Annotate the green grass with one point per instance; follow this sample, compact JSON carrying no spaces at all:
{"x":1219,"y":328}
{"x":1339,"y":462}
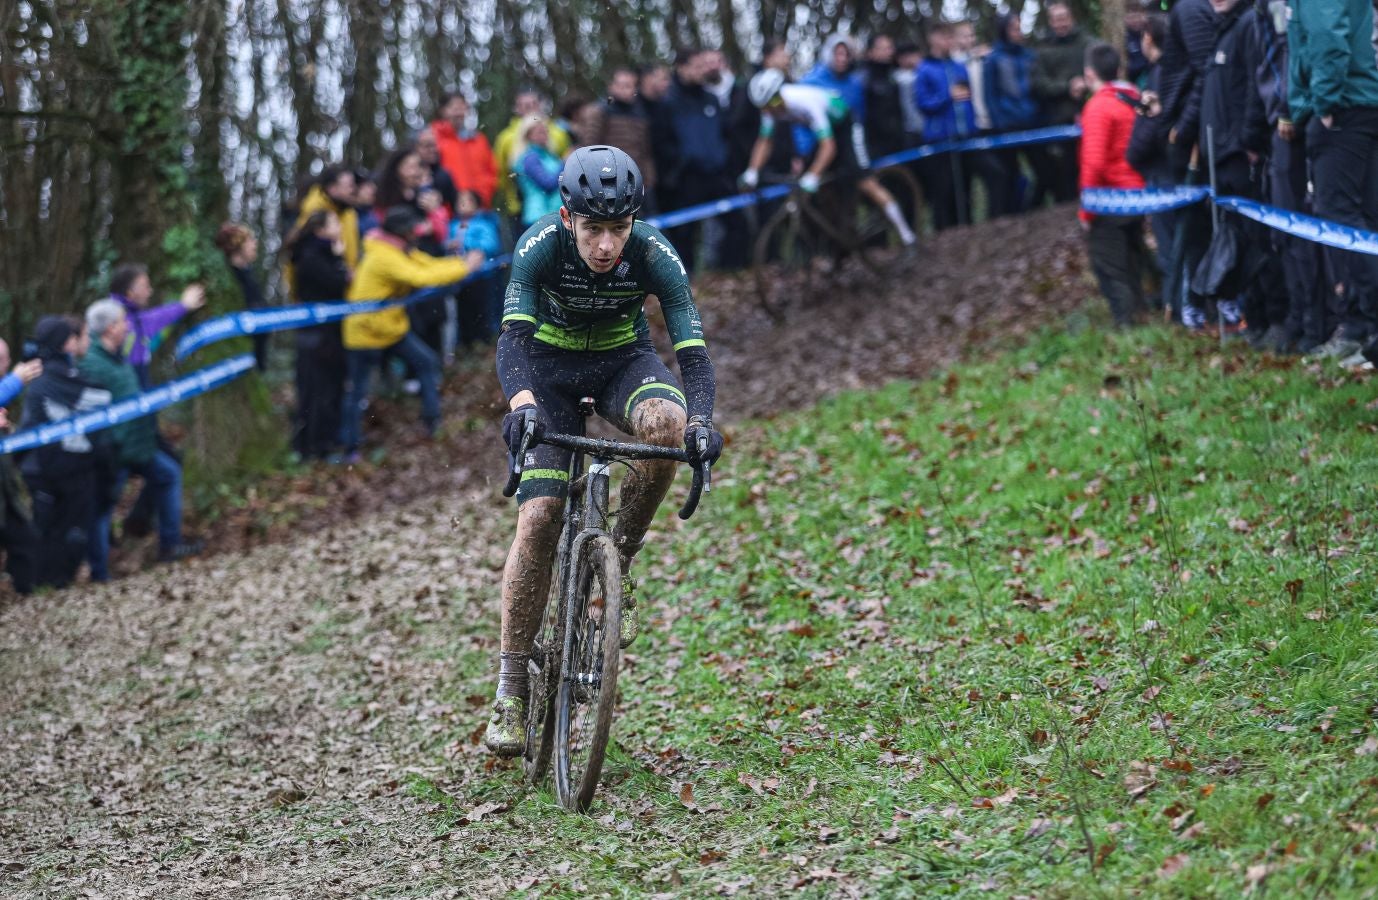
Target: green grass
{"x":927,"y":639}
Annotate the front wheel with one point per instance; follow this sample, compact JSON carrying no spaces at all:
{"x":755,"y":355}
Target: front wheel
{"x":587,"y":693}
{"x":783,"y":259}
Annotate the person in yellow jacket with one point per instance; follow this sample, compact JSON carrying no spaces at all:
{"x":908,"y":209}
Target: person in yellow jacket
{"x":393,"y":267}
{"x":334,"y":191}
{"x":528,"y":103}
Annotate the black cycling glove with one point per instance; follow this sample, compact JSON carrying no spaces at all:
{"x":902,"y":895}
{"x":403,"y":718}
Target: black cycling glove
{"x":701,"y":431}
{"x":514,"y":426}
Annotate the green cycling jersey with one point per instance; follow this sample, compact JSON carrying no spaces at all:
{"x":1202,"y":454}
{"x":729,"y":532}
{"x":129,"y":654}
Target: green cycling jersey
{"x":574,"y":308}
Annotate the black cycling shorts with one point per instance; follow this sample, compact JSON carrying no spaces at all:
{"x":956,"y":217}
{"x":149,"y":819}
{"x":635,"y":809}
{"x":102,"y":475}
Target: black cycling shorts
{"x":852,"y":157}
{"x":617,"y":380}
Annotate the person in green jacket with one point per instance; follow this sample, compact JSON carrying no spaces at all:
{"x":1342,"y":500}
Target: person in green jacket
{"x":1333,"y":93}
{"x":1059,"y":85}
{"x":135,"y":441}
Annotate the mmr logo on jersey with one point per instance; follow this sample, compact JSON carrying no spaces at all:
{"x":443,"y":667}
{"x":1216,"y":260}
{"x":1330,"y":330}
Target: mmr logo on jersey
{"x":535,"y":239}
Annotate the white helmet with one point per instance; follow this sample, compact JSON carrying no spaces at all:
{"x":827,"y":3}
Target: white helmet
{"x":764,"y":85}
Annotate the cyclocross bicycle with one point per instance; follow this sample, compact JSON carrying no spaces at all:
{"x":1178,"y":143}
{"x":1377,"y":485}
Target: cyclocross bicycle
{"x":574,"y":661}
{"x":809,"y":229}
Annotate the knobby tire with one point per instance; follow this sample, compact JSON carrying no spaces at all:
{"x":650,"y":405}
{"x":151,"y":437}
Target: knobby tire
{"x":583,"y":717}
{"x":783,"y":248}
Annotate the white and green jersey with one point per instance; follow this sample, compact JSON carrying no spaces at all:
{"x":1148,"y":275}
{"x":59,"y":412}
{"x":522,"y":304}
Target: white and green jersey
{"x":822,"y":111}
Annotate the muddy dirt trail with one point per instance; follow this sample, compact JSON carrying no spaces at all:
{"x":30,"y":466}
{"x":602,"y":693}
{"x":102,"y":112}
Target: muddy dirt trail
{"x":248,"y":724}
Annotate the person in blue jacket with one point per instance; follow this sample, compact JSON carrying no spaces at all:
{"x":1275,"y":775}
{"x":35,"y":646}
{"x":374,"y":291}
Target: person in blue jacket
{"x":942,"y":93}
{"x":479,"y":305}
{"x":537,"y":171}
{"x":13,"y":383}
{"x":1009,"y":98}
{"x":1009,"y":93}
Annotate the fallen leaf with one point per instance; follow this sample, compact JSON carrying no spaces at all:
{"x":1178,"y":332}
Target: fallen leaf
{"x":1254,"y":875}
{"x":1141,"y":779}
{"x":1172,"y":865}
{"x":752,"y":782}
{"x":1367,"y":748}
{"x":1263,"y":800}
{"x":280,"y":797}
{"x":1038,"y":827}
{"x":1193,"y":832}
{"x":483,"y":809}
{"x":686,"y":795}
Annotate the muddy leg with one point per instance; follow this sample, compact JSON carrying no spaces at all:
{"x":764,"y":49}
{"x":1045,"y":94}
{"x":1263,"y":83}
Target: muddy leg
{"x":526,"y":577}
{"x":654,"y":421}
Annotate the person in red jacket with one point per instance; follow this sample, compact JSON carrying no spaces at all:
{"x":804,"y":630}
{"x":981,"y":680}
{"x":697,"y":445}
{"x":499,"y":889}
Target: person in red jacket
{"x":464,"y":151}
{"x":1115,"y":243}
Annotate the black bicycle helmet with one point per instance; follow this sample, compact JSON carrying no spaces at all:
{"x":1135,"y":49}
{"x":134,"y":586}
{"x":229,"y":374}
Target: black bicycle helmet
{"x":602,"y":182}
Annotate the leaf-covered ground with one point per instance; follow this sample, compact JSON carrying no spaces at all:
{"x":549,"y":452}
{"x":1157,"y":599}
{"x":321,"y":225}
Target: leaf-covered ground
{"x":1091,"y":617}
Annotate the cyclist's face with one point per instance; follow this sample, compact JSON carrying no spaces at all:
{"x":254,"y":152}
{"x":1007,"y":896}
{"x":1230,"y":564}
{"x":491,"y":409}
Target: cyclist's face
{"x":600,"y":242}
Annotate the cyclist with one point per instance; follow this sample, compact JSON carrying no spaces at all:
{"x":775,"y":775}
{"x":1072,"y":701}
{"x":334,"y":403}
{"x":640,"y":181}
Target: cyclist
{"x":573,"y":327}
{"x":826,"y":114}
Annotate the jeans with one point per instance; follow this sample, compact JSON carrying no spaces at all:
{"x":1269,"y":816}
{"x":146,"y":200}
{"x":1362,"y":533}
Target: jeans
{"x":162,"y":477}
{"x":424,"y":364}
{"x":1344,"y":160}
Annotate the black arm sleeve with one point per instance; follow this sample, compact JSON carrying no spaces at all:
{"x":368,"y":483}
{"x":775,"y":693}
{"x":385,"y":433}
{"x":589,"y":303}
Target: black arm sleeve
{"x":514,"y":358}
{"x":700,"y":387}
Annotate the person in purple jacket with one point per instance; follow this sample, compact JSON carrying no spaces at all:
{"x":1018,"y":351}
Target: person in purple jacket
{"x":130,"y":285}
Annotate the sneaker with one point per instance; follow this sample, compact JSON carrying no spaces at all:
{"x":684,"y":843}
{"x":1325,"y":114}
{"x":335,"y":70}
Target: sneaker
{"x":1193,"y":317}
{"x":1338,"y":346}
{"x":631,"y":619}
{"x":180,"y":550}
{"x":506,"y":733}
{"x":1355,"y":361}
{"x":1230,"y":313}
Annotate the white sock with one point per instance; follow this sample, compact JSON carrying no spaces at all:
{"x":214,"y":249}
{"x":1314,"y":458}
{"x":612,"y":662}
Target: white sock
{"x":892,"y":212}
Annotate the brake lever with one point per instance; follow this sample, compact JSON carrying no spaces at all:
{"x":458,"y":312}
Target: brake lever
{"x":516,"y":461}
{"x":705,"y":466}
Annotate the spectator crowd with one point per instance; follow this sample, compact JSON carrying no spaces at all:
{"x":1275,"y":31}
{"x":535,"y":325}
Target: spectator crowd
{"x":1275,"y":100}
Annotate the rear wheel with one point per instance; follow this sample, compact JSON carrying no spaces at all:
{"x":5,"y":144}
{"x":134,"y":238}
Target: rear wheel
{"x":587,"y":693}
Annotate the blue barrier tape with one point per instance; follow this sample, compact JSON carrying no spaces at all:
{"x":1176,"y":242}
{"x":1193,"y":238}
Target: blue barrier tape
{"x":1048,"y":135}
{"x":728,"y":204}
{"x":1116,"y":202}
{"x":1319,"y":231}
{"x":717,"y":207}
{"x":145,"y":404}
{"x":1145,"y":202}
{"x":286,"y":318}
